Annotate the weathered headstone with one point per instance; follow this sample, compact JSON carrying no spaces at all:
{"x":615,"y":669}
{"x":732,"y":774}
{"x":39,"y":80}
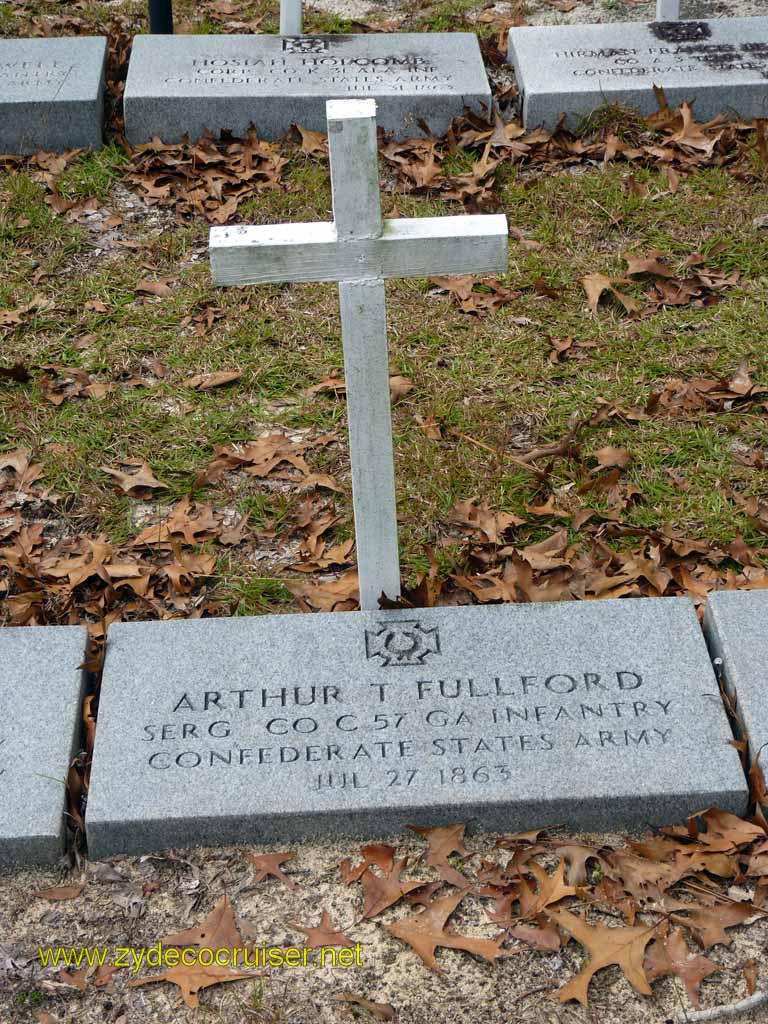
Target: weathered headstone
{"x":358,"y":249}
{"x":51,"y":93}
{"x":41,"y":688}
{"x":736,"y":625}
{"x":721,"y":66}
{"x":603,"y":714}
{"x":192,"y":84}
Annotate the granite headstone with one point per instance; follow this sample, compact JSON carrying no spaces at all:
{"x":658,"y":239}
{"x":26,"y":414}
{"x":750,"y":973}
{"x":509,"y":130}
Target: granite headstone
{"x":41,"y":685}
{"x":736,"y":625}
{"x":720,"y":66}
{"x":603,"y":714}
{"x":51,"y":93}
{"x":194,"y":84}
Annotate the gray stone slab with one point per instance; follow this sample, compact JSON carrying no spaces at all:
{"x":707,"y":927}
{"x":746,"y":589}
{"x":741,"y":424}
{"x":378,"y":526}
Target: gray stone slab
{"x":41,"y":686}
{"x":180,"y":85}
{"x":51,"y":93}
{"x":736,"y":625}
{"x":602,"y":714}
{"x":720,"y":66}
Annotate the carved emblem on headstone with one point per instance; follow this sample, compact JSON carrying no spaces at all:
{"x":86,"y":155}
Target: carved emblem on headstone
{"x":402,"y":643}
{"x":681,"y":31}
{"x":305,"y":44}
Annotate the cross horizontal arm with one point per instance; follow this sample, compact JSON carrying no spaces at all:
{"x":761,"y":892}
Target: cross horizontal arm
{"x":407,"y":247}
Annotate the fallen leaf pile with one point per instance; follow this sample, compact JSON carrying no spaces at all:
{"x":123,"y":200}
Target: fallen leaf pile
{"x":49,"y":577}
{"x":668,"y":889}
{"x":475,"y":296}
{"x":699,"y":286}
{"x":649,"y":908}
{"x":590,"y":549}
{"x":204,"y":177}
{"x":213,"y":179}
{"x":276,"y":456}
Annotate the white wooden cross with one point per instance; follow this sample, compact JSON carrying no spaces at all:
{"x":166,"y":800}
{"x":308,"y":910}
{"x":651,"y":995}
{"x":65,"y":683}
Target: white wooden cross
{"x":359,"y":249}
{"x":290,"y":17}
{"x":666,"y":10}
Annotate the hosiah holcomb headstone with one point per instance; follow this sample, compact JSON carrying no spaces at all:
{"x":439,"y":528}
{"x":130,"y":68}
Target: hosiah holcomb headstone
{"x":193,"y":84}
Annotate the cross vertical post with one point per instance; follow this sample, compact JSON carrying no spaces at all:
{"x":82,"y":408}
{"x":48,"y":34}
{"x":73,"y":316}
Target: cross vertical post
{"x":357,"y":214}
{"x":290,"y":18}
{"x":667,"y":10}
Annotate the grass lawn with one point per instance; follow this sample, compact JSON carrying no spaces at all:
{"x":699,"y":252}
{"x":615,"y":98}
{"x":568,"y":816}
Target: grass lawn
{"x":80,"y":238}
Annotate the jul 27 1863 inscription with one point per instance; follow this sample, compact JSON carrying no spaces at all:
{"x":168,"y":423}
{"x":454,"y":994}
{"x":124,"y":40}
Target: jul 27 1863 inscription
{"x":288,"y":725}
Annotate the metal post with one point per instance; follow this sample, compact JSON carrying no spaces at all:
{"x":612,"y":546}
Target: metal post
{"x":161,"y":17}
{"x":667,"y":10}
{"x":290,"y":18}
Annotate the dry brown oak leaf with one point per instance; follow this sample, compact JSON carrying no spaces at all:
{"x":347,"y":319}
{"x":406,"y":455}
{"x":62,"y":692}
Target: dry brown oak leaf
{"x":380,"y":854}
{"x":207,"y":381}
{"x":75,"y":979}
{"x":708,"y":924}
{"x":552,"y":889}
{"x":194,"y":978}
{"x":61,"y":892}
{"x":217,"y":931}
{"x":381,"y":1011}
{"x":546,"y":936}
{"x":443,"y":841}
{"x":576,"y":858}
{"x":269,"y":864}
{"x":426,"y":931}
{"x":381,"y":891}
{"x":141,"y":480}
{"x":670,"y":955}
{"x":323,"y":934}
{"x":623,"y":946}
{"x":596,"y":284}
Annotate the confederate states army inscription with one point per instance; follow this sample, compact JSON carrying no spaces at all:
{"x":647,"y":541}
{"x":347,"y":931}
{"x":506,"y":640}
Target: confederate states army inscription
{"x":510,"y":716}
{"x":191,"y":84}
{"x":718,"y":66}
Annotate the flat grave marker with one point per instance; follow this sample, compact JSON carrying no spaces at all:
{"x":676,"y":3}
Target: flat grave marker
{"x":194,"y":84}
{"x":51,"y":93}
{"x":573,"y":70}
{"x":736,"y":626}
{"x":41,"y":685}
{"x":604,"y":714}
